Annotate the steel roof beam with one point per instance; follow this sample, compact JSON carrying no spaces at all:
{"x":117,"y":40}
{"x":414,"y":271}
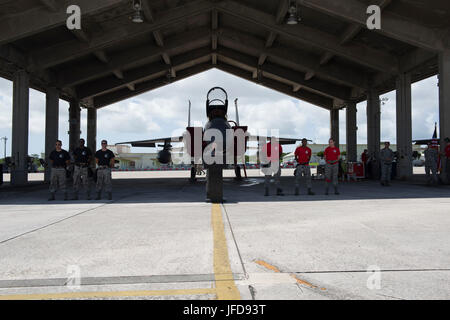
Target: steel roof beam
{"x":116,"y":96}
{"x":361,"y":54}
{"x":139,"y":74}
{"x":86,"y":72}
{"x":391,"y":25}
{"x":294,"y":58}
{"x":36,"y":20}
{"x":324,"y":87}
{"x":67,"y":51}
{"x":283,"y":8}
{"x":304,"y":95}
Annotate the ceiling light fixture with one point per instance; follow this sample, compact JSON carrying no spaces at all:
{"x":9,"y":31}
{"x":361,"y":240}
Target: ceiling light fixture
{"x":137,"y":16}
{"x":293,"y":13}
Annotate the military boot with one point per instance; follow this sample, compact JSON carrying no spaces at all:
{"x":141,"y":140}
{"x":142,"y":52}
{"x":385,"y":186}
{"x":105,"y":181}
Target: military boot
{"x":280,"y":192}
{"x":297,"y":192}
{"x":310,"y":193}
{"x":98,"y":196}
{"x":52,"y":196}
{"x":65,"y":196}
{"x":336,"y":191}
{"x":266,"y":192}
{"x":109,"y":196}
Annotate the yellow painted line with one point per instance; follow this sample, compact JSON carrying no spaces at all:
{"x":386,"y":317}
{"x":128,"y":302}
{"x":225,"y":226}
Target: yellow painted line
{"x":107,"y":294}
{"x":225,"y":286}
{"x":275,"y":269}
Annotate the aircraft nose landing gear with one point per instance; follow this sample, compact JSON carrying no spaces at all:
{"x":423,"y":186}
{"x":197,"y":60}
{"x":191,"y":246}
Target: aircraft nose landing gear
{"x":216,"y":110}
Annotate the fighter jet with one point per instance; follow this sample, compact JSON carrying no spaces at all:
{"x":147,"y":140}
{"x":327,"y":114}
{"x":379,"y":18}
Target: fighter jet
{"x":196,"y":141}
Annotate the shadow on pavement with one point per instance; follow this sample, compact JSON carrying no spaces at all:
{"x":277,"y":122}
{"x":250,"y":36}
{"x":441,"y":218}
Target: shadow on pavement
{"x":176,"y":190}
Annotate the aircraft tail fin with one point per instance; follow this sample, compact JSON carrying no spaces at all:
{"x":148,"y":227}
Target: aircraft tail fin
{"x":237,"y":112}
{"x":189,"y":114}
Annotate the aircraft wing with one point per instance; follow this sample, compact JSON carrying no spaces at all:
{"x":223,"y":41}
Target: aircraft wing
{"x":281,"y":141}
{"x":424,"y":141}
{"x":152,"y":142}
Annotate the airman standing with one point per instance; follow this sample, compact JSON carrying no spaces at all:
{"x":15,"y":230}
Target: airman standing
{"x":431,"y":163}
{"x":59,"y":160}
{"x":332,"y":155}
{"x":386,"y":157}
{"x":303,"y":156}
{"x":82,"y":156}
{"x":271,"y":155}
{"x":105,"y":161}
{"x":446,"y":157}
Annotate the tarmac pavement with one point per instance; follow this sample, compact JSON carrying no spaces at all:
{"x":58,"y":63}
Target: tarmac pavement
{"x":159,"y":239}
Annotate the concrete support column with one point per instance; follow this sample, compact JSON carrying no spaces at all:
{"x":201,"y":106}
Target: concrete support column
{"x":352,"y":128}
{"x":373,"y":123}
{"x":444,"y":102}
{"x":74,"y":124}
{"x":51,"y":125}
{"x":334,"y":126}
{"x":92,"y":129}
{"x":404,"y":127}
{"x":19,"y":141}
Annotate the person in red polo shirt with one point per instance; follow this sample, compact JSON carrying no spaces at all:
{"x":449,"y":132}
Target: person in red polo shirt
{"x":447,"y":160}
{"x":332,"y":156}
{"x":364,"y":160}
{"x":303,"y":156}
{"x":270,"y":157}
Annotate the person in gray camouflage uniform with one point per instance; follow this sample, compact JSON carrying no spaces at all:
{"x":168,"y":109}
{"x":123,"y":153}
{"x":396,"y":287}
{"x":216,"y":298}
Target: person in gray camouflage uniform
{"x":82,"y":156}
{"x":431,"y":163}
{"x":303,"y":156}
{"x":271,"y":154}
{"x":386,"y":158}
{"x":105,"y":162}
{"x":332,"y":155}
{"x":59,"y":160}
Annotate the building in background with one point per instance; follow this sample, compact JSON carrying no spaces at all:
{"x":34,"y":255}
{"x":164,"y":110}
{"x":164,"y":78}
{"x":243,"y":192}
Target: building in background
{"x":127,"y":160}
{"x":133,"y":161}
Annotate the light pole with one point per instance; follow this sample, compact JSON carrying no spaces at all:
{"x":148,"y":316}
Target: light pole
{"x":5,"y":139}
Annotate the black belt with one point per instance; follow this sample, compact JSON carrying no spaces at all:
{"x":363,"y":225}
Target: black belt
{"x":303,"y":164}
{"x":58,"y":167}
{"x":333,"y":162}
{"x":83,"y":165}
{"x":103,"y":167}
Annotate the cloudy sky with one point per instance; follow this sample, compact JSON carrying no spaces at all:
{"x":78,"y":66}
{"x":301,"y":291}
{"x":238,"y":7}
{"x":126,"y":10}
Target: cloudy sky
{"x":163,"y":112}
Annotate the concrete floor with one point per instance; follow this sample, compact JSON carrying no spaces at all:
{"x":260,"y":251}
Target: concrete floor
{"x":158,"y":239}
